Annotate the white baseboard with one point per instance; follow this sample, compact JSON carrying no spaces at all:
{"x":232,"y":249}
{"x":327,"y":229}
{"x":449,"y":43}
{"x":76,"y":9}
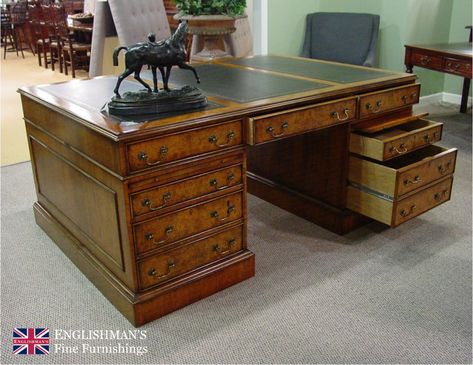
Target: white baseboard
{"x":443,"y":97}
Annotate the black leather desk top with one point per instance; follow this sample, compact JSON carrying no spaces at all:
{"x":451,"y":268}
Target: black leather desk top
{"x":238,"y":84}
{"x":334,"y":72}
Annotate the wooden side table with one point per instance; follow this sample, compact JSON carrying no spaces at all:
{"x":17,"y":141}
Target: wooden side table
{"x":451,"y":58}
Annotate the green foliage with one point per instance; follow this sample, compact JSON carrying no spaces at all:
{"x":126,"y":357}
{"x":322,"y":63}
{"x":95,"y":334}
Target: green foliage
{"x":211,"y":7}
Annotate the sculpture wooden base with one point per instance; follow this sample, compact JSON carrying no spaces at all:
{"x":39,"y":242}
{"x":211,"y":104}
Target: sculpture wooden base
{"x":140,"y":308}
{"x":145,"y":103}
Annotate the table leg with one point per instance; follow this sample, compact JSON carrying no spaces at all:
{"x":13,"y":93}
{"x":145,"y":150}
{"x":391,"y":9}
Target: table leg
{"x":466,"y":90}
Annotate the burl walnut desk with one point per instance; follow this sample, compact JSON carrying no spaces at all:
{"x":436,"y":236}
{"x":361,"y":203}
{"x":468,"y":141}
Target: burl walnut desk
{"x":451,"y":58}
{"x":154,"y":212}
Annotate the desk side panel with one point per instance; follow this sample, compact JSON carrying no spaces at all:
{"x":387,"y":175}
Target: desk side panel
{"x":91,"y":145}
{"x":87,"y":201}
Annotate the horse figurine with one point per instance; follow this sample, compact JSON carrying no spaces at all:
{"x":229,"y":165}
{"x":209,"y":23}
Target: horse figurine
{"x":159,"y":55}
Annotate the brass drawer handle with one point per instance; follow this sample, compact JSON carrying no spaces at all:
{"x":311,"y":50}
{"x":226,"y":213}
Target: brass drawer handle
{"x":147,"y":203}
{"x":230,"y":210}
{"x":143,"y":156}
{"x":399,"y":150}
{"x":416,"y":180}
{"x":405,"y":213}
{"x":284,"y":126}
{"x":214,"y":182}
{"x":428,"y":139}
{"x":167,"y":233}
{"x":424,"y":60}
{"x":171,"y":265}
{"x":214,"y":140}
{"x":405,"y":98}
{"x":335,"y":114}
{"x":439,"y":196}
{"x":443,"y":169}
{"x":376,"y":109}
{"x":218,"y":249}
{"x":453,"y":66}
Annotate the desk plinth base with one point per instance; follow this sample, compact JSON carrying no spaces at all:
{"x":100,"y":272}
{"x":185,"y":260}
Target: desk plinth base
{"x":141,"y":308}
{"x":335,"y":220}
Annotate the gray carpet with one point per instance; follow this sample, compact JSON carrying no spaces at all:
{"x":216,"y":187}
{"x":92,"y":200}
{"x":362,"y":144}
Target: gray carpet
{"x":377,"y":295}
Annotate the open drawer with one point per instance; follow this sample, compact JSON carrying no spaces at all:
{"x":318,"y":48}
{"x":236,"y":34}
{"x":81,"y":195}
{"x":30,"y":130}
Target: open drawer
{"x":400,"y":176}
{"x":395,"y":212}
{"x":396,"y":191}
{"x":396,"y":141}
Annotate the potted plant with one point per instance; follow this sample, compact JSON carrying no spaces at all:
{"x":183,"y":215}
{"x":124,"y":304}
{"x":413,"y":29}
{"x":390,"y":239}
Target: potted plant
{"x":210,"y":21}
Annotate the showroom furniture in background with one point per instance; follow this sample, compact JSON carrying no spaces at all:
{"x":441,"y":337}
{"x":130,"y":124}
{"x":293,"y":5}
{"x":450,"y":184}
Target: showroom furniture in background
{"x":237,"y":44}
{"x":132,"y":21}
{"x":342,"y":37}
{"x":451,"y":58}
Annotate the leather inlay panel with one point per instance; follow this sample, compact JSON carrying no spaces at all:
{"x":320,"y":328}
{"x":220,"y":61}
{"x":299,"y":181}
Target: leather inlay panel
{"x":310,"y":68}
{"x":246,"y":85}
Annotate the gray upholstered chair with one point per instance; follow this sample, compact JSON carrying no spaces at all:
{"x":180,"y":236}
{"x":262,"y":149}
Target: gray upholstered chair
{"x":132,"y":20}
{"x":342,"y":37}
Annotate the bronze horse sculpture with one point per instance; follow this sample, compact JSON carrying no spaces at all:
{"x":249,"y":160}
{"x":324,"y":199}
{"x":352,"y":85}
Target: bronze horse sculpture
{"x":161,"y":55}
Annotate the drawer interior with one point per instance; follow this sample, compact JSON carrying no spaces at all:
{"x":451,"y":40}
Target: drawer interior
{"x":406,"y":161}
{"x":395,"y":178}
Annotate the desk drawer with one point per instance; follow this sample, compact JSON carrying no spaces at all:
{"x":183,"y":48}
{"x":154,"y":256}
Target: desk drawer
{"x":392,"y":212}
{"x":158,"y":151}
{"x":380,"y":102}
{"x":166,"y":229}
{"x":427,"y":61}
{"x":396,"y":141}
{"x":158,"y":198}
{"x":270,"y":127}
{"x":405,"y":174}
{"x":458,"y":67}
{"x":165,"y":266}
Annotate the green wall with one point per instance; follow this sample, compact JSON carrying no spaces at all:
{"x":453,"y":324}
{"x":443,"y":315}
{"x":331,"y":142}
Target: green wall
{"x":402,"y":22}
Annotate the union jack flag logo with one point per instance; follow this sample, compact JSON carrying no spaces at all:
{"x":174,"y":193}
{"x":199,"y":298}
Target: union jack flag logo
{"x":31,"y":341}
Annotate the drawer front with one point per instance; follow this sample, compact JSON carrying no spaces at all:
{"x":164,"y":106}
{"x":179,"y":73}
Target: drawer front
{"x":394,"y":213}
{"x":380,"y":102}
{"x":279,"y":125}
{"x":396,"y":141}
{"x":165,"y":230}
{"x":458,"y":67}
{"x":179,"y":261}
{"x":421,"y":174}
{"x":422,"y":201}
{"x":413,"y":141}
{"x":427,"y":61}
{"x":158,"y":151}
{"x":158,"y":198}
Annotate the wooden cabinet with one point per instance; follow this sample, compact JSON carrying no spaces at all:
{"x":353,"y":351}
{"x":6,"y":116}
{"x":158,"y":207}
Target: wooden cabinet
{"x":155,"y":214}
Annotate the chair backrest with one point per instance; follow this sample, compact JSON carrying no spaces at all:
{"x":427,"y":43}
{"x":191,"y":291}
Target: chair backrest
{"x":134,"y":20}
{"x":37,"y":19}
{"x":18,"y":12}
{"x":342,"y":37}
{"x":240,"y":41}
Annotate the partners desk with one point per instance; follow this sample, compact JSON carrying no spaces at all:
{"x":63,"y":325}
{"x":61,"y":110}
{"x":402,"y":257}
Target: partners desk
{"x":153,"y":210}
{"x":451,"y":58}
